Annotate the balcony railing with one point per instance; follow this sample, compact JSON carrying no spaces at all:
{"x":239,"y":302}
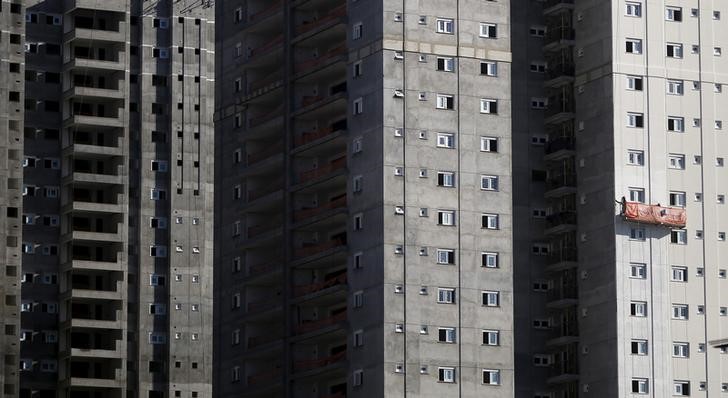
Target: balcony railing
{"x":309,"y":364}
{"x":316,"y":287}
{"x":257,"y":230}
{"x":569,"y":254}
{"x":308,"y":213}
{"x":563,"y":218}
{"x":335,"y":165}
{"x":551,"y":3}
{"x":263,"y":305}
{"x":559,"y":70}
{"x":312,"y":63}
{"x":564,"y":292}
{"x":560,"y":144}
{"x":319,"y":248}
{"x":264,"y":376}
{"x":258,"y":341}
{"x":262,"y":269}
{"x":265,"y":81}
{"x":558,"y":33}
{"x":567,"y":180}
{"x":311,"y":136}
{"x":254,"y":194}
{"x":309,"y":326}
{"x":258,"y":120}
{"x":334,"y":14}
{"x":259,"y":156}
{"x":270,"y":10}
{"x":266,"y":47}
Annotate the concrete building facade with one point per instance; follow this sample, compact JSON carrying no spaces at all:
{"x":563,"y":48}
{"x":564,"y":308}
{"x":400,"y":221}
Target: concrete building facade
{"x":117,"y":195}
{"x":635,"y":306}
{"x":365,"y":224}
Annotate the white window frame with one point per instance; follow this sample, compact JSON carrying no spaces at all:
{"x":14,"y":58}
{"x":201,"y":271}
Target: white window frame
{"x":446,"y":140}
{"x":633,"y":9}
{"x":491,"y":298}
{"x":635,"y":46}
{"x":489,"y":183}
{"x":488,"y":30}
{"x":494,"y":377}
{"x":445,"y":25}
{"x":635,"y":157}
{"x":486,"y":144}
{"x":491,"y":337}
{"x":446,"y":295}
{"x":489,"y":105}
{"x":489,"y":260}
{"x":446,"y":374}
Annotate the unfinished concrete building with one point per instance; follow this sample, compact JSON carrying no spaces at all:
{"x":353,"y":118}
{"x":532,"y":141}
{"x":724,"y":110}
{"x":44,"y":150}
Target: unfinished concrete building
{"x":363,"y":235}
{"x":117,"y":192}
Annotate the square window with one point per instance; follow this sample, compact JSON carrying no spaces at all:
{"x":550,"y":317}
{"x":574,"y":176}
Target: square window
{"x":445,"y":25}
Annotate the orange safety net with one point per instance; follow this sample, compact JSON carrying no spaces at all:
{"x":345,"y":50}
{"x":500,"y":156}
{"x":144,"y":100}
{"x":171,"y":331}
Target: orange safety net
{"x":654,"y":214}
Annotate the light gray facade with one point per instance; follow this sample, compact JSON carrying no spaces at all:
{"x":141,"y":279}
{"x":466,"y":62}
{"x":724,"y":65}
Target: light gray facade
{"x":380,"y":263}
{"x":117,"y":193}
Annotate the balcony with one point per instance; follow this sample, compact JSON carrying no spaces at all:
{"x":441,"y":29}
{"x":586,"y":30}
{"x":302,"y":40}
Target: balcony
{"x":265,"y":48}
{"x":254,"y":342}
{"x":302,"y":290}
{"x":263,"y":305}
{"x":314,"y":249}
{"x":308,"y":137}
{"x":562,"y":296}
{"x":303,"y":214}
{"x":560,"y":74}
{"x":563,"y":258}
{"x":559,"y":36}
{"x":264,"y":154}
{"x":97,"y":236}
{"x":313,"y":325}
{"x":304,"y":365}
{"x":268,"y":116}
{"x":336,"y":14}
{"x":95,"y":64}
{"x":560,"y":147}
{"x":560,"y":108}
{"x":560,"y":185}
{"x":311,"y":65}
{"x":113,"y":6}
{"x":95,"y":207}
{"x":255,"y":271}
{"x":320,"y":172}
{"x":554,"y":6}
{"x":89,"y":294}
{"x":255,"y":194}
{"x":94,"y":121}
{"x":265,"y":84}
{"x":97,"y":35}
{"x":270,"y":10}
{"x":559,"y":223}
{"x":256,"y":231}
{"x":94,"y":150}
{"x":263,"y":377}
{"x":93,"y":92}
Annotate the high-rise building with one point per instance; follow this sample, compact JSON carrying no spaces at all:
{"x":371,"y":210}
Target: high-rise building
{"x":116,"y":144}
{"x":364,"y":225}
{"x":619,"y":198}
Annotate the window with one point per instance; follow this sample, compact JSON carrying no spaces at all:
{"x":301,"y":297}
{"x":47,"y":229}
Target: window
{"x":491,"y":377}
{"x":639,"y":347}
{"x":633,"y":46}
{"x":634,"y":83}
{"x":489,"y":68}
{"x":676,"y":161}
{"x":538,"y":67}
{"x":445,"y":295}
{"x":679,"y":236}
{"x":157,"y":309}
{"x":162,"y":53}
{"x":445,"y":256}
{"x":446,"y":217}
{"x":539,"y":103}
{"x":489,"y":260}
{"x":159,"y":165}
{"x":488,"y":144}
{"x":357,"y":30}
{"x":681,"y":388}
{"x":635,"y":157}
{"x":676,"y":124}
{"x":680,"y":350}
{"x":490,"y":221}
{"x":446,"y":140}
{"x":489,"y":183}
{"x":445,"y":25}
{"x":445,"y":101}
{"x":445,"y":64}
{"x":674,"y":50}
{"x":158,"y":222}
{"x":673,"y":14}
{"x":716,"y":15}
{"x":638,"y":270}
{"x":491,"y":299}
{"x":637,"y":233}
{"x":157,"y":338}
{"x":488,"y":30}
{"x":157,"y":194}
{"x":446,"y":335}
{"x":446,"y":179}
{"x":679,"y":274}
{"x":677,"y":199}
{"x":633,"y":9}
{"x":488,"y":106}
{"x":638,"y":308}
{"x":156,"y":280}
{"x":639,"y":386}
{"x":158,"y":251}
{"x":356,"y":69}
{"x":357,"y":378}
{"x":635,"y":120}
{"x":680,"y":311}
{"x":637,"y":195}
{"x":675,"y":87}
{"x":491,"y":337}
{"x":358,"y":106}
